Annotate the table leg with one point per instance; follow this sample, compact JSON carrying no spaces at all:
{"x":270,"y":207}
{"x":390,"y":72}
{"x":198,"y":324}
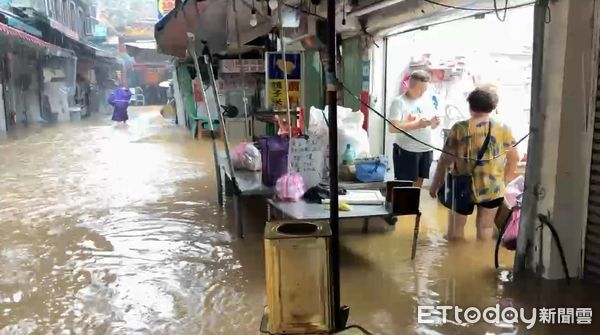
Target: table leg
{"x":365,"y":228}
{"x":415,"y":236}
{"x":229,"y":187}
{"x":238,"y":216}
{"x":219,"y":187}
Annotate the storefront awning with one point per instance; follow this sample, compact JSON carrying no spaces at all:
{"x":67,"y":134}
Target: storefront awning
{"x":145,"y":45}
{"x":397,"y":16}
{"x":145,"y":52}
{"x":212,"y":21}
{"x":11,"y":36}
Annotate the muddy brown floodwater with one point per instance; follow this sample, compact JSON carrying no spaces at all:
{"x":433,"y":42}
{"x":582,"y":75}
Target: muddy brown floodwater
{"x":117,"y":231}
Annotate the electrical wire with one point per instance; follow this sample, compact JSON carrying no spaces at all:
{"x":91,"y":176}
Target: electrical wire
{"x":425,"y":143}
{"x":501,"y":234}
{"x":545,"y":220}
{"x":497,"y":11}
{"x":362,"y":329}
{"x":477,"y":9}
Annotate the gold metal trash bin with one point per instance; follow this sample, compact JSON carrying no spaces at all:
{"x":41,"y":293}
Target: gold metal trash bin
{"x":297,"y":277}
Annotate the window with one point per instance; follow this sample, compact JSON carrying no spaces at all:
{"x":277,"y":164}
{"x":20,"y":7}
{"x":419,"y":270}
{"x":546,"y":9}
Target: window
{"x":57,"y":12}
{"x":51,"y":8}
{"x":81,"y":22}
{"x":89,"y":26}
{"x":73,"y":19}
{"x":64,"y":18}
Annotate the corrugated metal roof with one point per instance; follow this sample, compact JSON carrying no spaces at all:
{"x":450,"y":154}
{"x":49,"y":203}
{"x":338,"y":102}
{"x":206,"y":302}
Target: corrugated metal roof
{"x":23,"y":38}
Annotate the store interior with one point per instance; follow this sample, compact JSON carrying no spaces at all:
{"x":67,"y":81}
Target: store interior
{"x":460,"y":55}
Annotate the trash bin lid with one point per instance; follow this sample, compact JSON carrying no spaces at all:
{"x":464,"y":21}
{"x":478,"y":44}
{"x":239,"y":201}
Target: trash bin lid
{"x":296,"y":229}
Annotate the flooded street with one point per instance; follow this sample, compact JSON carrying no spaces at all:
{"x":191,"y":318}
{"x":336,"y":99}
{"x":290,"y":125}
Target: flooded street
{"x":117,"y":231}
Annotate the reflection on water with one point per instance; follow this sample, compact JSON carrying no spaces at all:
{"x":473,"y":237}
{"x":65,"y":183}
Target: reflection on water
{"x":117,"y":231}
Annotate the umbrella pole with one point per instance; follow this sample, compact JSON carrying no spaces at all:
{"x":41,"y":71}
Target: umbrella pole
{"x":333,"y":166}
{"x":213,"y":84}
{"x":192,"y":51}
{"x":247,"y":134}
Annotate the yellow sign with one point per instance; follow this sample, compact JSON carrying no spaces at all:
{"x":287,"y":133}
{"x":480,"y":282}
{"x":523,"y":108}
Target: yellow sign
{"x":164,"y":7}
{"x":137,"y":31}
{"x":277,"y":94}
{"x":277,"y":68}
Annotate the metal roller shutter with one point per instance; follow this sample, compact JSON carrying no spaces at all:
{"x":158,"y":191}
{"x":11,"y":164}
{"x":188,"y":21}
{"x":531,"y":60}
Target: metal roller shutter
{"x":592,"y":239}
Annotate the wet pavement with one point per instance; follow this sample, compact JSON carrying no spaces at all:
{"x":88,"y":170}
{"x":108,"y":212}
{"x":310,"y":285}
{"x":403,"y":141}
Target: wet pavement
{"x":117,"y":231}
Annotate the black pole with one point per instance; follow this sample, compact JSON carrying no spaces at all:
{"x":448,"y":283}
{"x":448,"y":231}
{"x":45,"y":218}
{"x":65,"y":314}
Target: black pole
{"x":333,"y":164}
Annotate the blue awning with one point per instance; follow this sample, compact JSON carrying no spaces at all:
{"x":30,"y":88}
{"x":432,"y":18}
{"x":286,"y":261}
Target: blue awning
{"x":18,"y":24}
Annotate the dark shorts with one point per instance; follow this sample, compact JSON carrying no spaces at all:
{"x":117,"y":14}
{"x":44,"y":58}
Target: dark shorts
{"x":486,"y":204}
{"x":410,"y":165}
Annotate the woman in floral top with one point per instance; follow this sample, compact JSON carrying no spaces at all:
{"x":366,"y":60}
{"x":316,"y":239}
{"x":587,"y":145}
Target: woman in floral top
{"x":490,"y":175}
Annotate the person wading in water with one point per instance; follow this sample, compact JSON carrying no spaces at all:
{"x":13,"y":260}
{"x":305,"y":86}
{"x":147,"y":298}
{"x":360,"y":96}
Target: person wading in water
{"x":119,"y":99}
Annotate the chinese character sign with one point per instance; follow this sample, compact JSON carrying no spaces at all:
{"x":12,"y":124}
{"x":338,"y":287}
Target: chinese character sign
{"x":276,"y":88}
{"x":164,"y":7}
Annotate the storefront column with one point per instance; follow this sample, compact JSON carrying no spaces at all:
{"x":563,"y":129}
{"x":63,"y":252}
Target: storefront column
{"x":559,"y":165}
{"x":179,"y":105}
{"x":3,"y":120}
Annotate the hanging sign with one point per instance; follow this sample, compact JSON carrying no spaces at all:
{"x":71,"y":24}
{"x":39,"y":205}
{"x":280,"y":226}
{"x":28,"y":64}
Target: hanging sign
{"x":164,"y":7}
{"x":249,"y":66}
{"x":276,"y":88}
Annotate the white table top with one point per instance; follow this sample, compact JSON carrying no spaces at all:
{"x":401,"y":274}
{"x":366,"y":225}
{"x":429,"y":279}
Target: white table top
{"x":303,"y":210}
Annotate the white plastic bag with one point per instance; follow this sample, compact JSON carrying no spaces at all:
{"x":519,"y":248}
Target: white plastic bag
{"x":350,"y":129}
{"x":317,"y":124}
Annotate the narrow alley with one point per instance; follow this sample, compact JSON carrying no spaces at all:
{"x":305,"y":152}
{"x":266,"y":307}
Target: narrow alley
{"x":117,"y":231}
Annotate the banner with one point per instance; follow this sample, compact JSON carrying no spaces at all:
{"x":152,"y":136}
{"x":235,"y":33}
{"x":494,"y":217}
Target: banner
{"x":276,"y":88}
{"x":164,"y":7}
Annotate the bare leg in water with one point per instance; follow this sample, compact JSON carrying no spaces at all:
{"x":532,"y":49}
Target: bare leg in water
{"x":485,"y":222}
{"x":456,"y":226}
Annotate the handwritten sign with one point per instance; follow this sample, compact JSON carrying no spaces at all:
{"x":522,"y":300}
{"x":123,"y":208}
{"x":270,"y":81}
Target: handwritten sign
{"x":310,"y":158}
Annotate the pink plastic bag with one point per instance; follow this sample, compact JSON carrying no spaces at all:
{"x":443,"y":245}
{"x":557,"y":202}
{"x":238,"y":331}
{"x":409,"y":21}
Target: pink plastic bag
{"x":290,"y":187}
{"x":246,"y":156}
{"x":509,"y":238}
{"x":514,"y":192}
